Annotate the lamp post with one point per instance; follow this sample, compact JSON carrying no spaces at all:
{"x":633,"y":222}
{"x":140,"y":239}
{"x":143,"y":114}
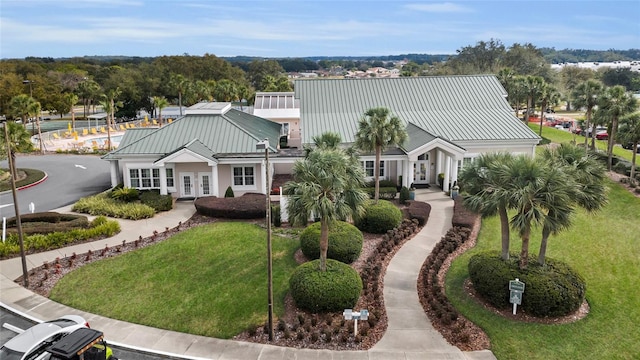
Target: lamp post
{"x":260,"y":146}
{"x":31,"y":96}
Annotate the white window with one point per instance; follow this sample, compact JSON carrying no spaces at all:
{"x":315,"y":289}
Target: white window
{"x":285,"y":129}
{"x":369,"y":168}
{"x":144,"y":178}
{"x":243,"y":176}
{"x":170,"y":178}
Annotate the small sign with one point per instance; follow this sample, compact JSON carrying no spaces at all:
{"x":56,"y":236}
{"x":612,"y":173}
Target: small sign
{"x":515,"y":297}
{"x":516,"y":285}
{"x":348,"y":314}
{"x":364,"y":314}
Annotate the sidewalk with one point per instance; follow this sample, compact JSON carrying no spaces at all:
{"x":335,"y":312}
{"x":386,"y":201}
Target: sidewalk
{"x":409,"y":334}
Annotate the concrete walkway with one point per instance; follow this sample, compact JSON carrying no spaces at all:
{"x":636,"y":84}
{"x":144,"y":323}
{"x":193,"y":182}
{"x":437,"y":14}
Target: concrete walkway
{"x":409,"y":334}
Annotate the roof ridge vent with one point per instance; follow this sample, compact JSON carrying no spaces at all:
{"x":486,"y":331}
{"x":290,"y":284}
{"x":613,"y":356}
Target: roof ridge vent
{"x":208,"y":108}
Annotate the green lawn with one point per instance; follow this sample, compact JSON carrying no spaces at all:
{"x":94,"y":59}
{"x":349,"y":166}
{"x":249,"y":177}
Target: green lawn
{"x":209,"y":280}
{"x":561,"y":136}
{"x":604,"y":249}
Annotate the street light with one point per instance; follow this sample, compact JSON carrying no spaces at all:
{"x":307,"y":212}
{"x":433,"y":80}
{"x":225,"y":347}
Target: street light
{"x":30,"y":89}
{"x":264,"y":145}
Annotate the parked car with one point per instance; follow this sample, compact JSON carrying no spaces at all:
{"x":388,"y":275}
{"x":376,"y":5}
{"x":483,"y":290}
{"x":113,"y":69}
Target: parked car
{"x":82,"y":344}
{"x":32,"y":343}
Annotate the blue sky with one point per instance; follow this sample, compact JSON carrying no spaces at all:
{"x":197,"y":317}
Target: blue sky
{"x":66,"y":28}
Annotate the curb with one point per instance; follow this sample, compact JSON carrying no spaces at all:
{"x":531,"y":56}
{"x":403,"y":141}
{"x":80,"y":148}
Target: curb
{"x":45,"y":177}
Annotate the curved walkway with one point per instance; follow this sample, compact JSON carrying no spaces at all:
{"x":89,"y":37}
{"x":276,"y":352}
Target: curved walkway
{"x":409,"y":334}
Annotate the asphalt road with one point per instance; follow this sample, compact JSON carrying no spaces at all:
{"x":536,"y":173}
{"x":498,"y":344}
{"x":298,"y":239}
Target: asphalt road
{"x":70,"y":177}
{"x":6,"y":335}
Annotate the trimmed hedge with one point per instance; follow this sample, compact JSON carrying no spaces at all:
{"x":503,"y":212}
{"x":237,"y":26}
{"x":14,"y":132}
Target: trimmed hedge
{"x":99,"y":228}
{"x":47,"y":222}
{"x":158,"y":202}
{"x":420,"y":211}
{"x":551,"y":290}
{"x":382,"y":183}
{"x":345,"y":242}
{"x":247,"y":206}
{"x":336,"y":289}
{"x":387,"y":193}
{"x":379,"y":218}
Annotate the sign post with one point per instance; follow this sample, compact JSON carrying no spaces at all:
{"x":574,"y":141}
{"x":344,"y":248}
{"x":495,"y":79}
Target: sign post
{"x":516,"y":289}
{"x":349,"y":314}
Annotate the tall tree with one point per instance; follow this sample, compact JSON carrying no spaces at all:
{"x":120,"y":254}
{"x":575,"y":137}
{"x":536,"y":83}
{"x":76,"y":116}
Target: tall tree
{"x":21,"y":106}
{"x":377,"y":130}
{"x":582,"y":184}
{"x":570,"y":78}
{"x":71,"y":99}
{"x":19,"y":140}
{"x":34,"y":111}
{"x":111,"y":105}
{"x":88,"y":91}
{"x":180,"y":84}
{"x":160,"y":102}
{"x":630,"y":134}
{"x":483,"y":184}
{"x":616,"y":102}
{"x":327,"y":183}
{"x":586,"y":95}
{"x":549,"y":95}
{"x":532,"y":87}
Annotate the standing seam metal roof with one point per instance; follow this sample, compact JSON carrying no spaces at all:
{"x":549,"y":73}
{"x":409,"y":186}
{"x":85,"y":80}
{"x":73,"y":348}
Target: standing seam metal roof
{"x":470,"y":107}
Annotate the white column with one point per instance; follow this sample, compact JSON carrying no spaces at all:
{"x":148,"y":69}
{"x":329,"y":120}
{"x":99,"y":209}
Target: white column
{"x":214,"y":180}
{"x":439,"y":161}
{"x":454,"y":171}
{"x":399,"y":171}
{"x":447,"y":172}
{"x":114,"y":173}
{"x":409,"y":173}
{"x":163,"y":181}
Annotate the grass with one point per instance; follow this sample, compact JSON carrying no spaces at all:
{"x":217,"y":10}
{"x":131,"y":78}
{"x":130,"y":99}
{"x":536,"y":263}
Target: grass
{"x":210,"y":280}
{"x":561,"y":136}
{"x":604,"y":249}
{"x":33,"y":175}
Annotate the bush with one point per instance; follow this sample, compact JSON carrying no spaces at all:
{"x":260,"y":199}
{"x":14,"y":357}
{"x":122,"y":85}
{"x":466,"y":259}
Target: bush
{"x":247,"y":206}
{"x":345,"y":242}
{"x":441,"y":180}
{"x":551,"y":290}
{"x":420,"y":211}
{"x":276,"y":216}
{"x":336,"y":289}
{"x":125,"y":194}
{"x":101,"y":204}
{"x":404,"y":195}
{"x":158,"y":202}
{"x":47,"y":222}
{"x":229,"y":193}
{"x":387,"y":193}
{"x":379,"y":218}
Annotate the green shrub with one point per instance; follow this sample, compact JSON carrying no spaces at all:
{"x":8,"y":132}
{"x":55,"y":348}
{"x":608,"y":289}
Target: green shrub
{"x":420,"y":211}
{"x":158,"y":202}
{"x":276,"y":216}
{"x":229,"y":193}
{"x":387,"y":193}
{"x":101,"y":204}
{"x":125,"y":194}
{"x":382,"y":183}
{"x":247,"y":206}
{"x":335,"y":289}
{"x":550,"y":290}
{"x":47,"y":222}
{"x":441,"y":180}
{"x":379,"y":218}
{"x":404,"y":195}
{"x":345,"y":242}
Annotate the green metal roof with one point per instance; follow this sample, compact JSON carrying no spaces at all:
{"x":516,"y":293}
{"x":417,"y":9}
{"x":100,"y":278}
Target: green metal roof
{"x":233,"y":132}
{"x":453,"y":108}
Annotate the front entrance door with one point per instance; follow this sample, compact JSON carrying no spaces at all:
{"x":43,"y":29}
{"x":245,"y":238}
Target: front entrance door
{"x":186,"y":185}
{"x":205,"y":184}
{"x":421,"y":172}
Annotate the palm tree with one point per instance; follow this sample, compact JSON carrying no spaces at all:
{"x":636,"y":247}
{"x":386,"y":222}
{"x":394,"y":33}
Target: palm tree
{"x":532,"y":88}
{"x":19,"y":140}
{"x":616,"y":102}
{"x":582,"y":183}
{"x":483,"y":185}
{"x":89,"y":91}
{"x":160,"y":102}
{"x":34,"y":111}
{"x":327,"y":183}
{"x":226,"y":90}
{"x":72,"y":99}
{"x":549,"y":95}
{"x":20,"y":107}
{"x":630,"y":134}
{"x":586,"y":95}
{"x":110,"y":105}
{"x":180,"y":84}
{"x":377,"y":130}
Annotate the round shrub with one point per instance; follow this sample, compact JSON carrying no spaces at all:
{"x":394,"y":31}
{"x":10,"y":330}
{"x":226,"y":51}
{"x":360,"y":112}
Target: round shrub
{"x":335,"y":289}
{"x":379,"y":218}
{"x":550,"y":290}
{"x":345,"y":242}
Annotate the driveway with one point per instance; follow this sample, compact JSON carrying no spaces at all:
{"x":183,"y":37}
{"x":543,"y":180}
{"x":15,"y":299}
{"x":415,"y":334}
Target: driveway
{"x":70,"y":177}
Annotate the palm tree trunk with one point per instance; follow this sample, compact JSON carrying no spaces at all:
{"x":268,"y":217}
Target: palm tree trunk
{"x":324,"y":243}
{"x":610,"y":141}
{"x":634,"y":150}
{"x":543,"y":246}
{"x":524,"y":254}
{"x":376,"y":175}
{"x":544,"y":105}
{"x":586,"y":139}
{"x":504,"y":231}
{"x":40,"y":142}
